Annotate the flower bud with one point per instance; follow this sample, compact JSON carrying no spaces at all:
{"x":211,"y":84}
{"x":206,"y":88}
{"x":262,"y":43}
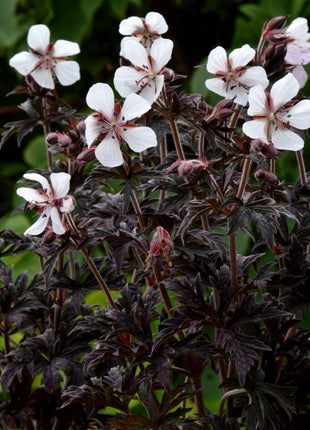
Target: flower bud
{"x":274,"y":27}
{"x":267,"y":150}
{"x":266,"y":178}
{"x":161,"y":244}
{"x":168,"y":74}
{"x":87,"y":155}
{"x":67,"y":204}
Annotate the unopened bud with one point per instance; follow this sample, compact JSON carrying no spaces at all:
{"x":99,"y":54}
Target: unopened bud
{"x":266,"y":178}
{"x":53,"y":138}
{"x":274,"y":27}
{"x":267,"y":150}
{"x":185,"y":167}
{"x":222,"y":111}
{"x":168,"y":74}
{"x":87,"y":155}
{"x":161,"y":244}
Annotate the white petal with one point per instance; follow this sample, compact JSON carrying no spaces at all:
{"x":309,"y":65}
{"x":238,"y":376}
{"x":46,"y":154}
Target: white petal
{"x":24,"y":62}
{"x":135,"y":53}
{"x":301,"y":75}
{"x":127,"y":80}
{"x":152,"y":91}
{"x":57,"y":224}
{"x":257,"y":101}
{"x":100,"y":97}
{"x":61,"y":184}
{"x":156,"y":23}
{"x":131,"y":25}
{"x":64,"y":48}
{"x":254,"y":76}
{"x":93,"y":130}
{"x":241,"y":56}
{"x":38,"y":38}
{"x":241,"y":95}
{"x":67,"y":72}
{"x":161,"y":51}
{"x":139,"y":138}
{"x":108,"y":152}
{"x":218,"y":86}
{"x":217,"y":60}
{"x":256,"y":129}
{"x":123,"y":42}
{"x":298,"y":115}
{"x":134,"y":106}
{"x":40,"y":225}
{"x":293,"y":55}
{"x":44,"y":78}
{"x":39,"y":178}
{"x":287,"y":139}
{"x":298,"y":29}
{"x":31,"y":195}
{"x":284,"y":90}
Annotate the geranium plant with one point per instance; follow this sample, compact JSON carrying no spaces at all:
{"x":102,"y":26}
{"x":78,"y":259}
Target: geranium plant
{"x":146,"y":203}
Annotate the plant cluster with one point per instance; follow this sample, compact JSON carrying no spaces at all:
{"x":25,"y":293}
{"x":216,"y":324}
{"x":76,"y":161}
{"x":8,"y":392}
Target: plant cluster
{"x":169,"y":212}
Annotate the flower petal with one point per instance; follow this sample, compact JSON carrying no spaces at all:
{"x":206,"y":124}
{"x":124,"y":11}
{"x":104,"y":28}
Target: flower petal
{"x":156,"y":23}
{"x":43,"y":77}
{"x":298,"y":115}
{"x":24,"y":62}
{"x":218,"y":86}
{"x":136,"y":54}
{"x":108,"y":152}
{"x":298,"y":29}
{"x":39,"y":178}
{"x":254,"y":76}
{"x":293,"y":55}
{"x":257,"y":101}
{"x":134,"y":106}
{"x":128,"y":80}
{"x":64,"y":48}
{"x":67,"y":72}
{"x":31,"y":195}
{"x":100,"y":97}
{"x":284,"y":90}
{"x":93,"y":129}
{"x":151,"y":91}
{"x":40,"y":225}
{"x":161,"y":51}
{"x":217,"y":60}
{"x":130,"y":25}
{"x":256,"y":129}
{"x":287,"y":139}
{"x":139,"y":138}
{"x":38,"y":38}
{"x":61,"y":184}
{"x":241,"y":56}
{"x":301,"y":75}
{"x":57,"y":224}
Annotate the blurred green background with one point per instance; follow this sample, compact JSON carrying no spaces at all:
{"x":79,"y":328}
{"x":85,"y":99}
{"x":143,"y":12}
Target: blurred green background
{"x":195,"y":26}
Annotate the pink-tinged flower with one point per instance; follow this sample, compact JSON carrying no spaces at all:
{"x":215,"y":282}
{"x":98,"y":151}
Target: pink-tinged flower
{"x":298,"y":47}
{"x":51,"y":201}
{"x":46,"y":60}
{"x":146,"y":76}
{"x":144,"y":30}
{"x":274,"y":117}
{"x":111,"y":126}
{"x":233,"y":78}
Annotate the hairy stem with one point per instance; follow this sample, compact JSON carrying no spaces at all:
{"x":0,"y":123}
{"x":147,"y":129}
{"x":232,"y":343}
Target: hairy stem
{"x":301,"y":167}
{"x":91,"y":264}
{"x":176,"y":137}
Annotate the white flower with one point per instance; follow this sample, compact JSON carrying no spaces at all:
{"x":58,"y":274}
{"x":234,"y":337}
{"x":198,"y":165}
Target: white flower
{"x":46,"y":60}
{"x":233,"y":77}
{"x":111,"y":125}
{"x":145,"y":77}
{"x":50,"y":200}
{"x":144,"y":30}
{"x":274,"y":118}
{"x":298,"y":47}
